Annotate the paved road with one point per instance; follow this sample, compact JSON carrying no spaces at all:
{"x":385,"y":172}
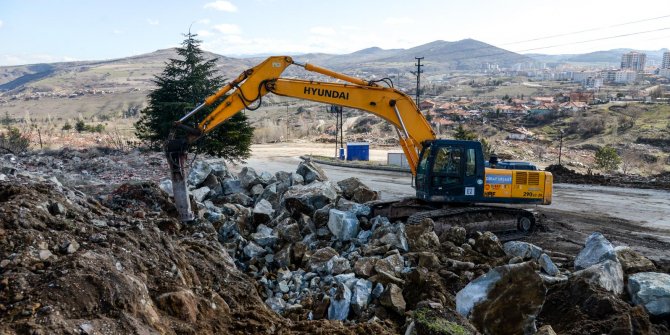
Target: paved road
{"x":647,"y":207}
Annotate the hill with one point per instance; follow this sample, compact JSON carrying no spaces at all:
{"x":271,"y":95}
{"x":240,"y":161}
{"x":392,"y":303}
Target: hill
{"x":138,"y":71}
{"x":607,"y":56}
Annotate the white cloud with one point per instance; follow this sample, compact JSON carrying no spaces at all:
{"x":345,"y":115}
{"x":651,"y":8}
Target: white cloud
{"x":323,"y":31}
{"x":1,"y":23}
{"x":396,"y":21}
{"x":204,"y":33}
{"x":227,"y":29}
{"x":222,"y":5}
{"x":152,"y":22}
{"x":117,"y":32}
{"x":203,"y":21}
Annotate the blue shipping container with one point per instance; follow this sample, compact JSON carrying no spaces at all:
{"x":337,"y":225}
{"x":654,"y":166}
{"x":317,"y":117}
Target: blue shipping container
{"x":358,"y":151}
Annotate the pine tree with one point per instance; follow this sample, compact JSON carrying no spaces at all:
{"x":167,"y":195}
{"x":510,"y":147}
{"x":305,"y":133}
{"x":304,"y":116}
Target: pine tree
{"x":184,"y":84}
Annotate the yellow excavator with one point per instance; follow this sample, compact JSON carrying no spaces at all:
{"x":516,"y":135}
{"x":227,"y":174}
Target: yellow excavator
{"x":452,"y":181}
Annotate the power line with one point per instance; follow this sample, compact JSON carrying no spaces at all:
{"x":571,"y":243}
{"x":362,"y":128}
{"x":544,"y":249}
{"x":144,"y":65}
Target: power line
{"x":587,"y":30}
{"x":597,"y":39}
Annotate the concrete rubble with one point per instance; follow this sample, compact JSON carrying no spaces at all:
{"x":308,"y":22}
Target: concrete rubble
{"x":293,"y":252}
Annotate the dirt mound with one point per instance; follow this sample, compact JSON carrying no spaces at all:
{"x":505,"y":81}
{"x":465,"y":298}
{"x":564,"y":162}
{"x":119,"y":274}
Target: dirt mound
{"x":564,"y":175}
{"x":577,"y":307}
{"x":71,"y":263}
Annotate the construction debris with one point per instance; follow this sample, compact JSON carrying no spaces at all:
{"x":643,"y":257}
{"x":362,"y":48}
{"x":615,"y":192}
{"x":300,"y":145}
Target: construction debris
{"x":290,"y":252}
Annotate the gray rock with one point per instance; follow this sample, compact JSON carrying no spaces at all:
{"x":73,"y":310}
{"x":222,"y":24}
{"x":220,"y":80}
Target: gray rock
{"x":521,"y":249}
{"x":311,"y":172}
{"x":213,"y":183}
{"x":72,"y":247}
{"x":283,"y":177}
{"x":256,"y":190}
{"x":548,"y":265}
{"x":392,"y":235}
{"x":277,"y":304}
{"x":354,"y":189}
{"x":166,"y":186}
{"x":651,"y":290}
{"x":231,"y":186}
{"x":393,"y":264}
{"x":198,"y":173}
{"x":200,"y":194}
{"x":343,"y":225}
{"x":253,"y":250}
{"x":272,"y":194}
{"x":220,"y":169}
{"x":607,"y":274}
{"x":340,"y":265}
{"x":289,"y":231}
{"x":266,"y":178}
{"x":340,"y":299}
{"x":248,"y":177}
{"x":361,"y":295}
{"x":378,"y":290}
{"x":353,"y":207}
{"x":596,"y":250}
{"x":308,"y":198}
{"x":263,"y":212}
{"x":264,"y":236}
{"x":45,"y":254}
{"x":321,"y":260}
{"x":283,"y":286}
{"x":364,"y":236}
{"x":507,"y":299}
{"x":297,"y":179}
{"x":240,"y":199}
{"x":348,"y":279}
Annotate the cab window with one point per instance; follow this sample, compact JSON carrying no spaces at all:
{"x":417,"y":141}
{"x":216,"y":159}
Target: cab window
{"x":447,"y":160}
{"x":470,"y":165}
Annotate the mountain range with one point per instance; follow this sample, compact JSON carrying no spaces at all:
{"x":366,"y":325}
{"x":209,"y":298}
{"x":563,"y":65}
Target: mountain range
{"x":138,"y":71}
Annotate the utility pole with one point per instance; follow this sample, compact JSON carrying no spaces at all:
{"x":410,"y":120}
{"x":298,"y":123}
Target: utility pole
{"x":339,"y":125}
{"x":560,"y":147}
{"x":418,"y":77}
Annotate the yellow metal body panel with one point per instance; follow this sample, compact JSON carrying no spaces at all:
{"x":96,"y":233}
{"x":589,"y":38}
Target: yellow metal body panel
{"x":518,"y":184}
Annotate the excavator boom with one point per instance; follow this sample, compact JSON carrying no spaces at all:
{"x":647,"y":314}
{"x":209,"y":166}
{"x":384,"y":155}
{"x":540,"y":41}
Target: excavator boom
{"x":446,"y":171}
{"x":250,"y":87}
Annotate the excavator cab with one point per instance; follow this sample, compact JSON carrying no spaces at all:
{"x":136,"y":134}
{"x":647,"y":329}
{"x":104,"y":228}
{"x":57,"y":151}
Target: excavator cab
{"x":450,"y":171}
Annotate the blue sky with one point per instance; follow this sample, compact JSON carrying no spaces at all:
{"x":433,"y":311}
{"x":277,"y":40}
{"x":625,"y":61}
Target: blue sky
{"x":33,"y":31}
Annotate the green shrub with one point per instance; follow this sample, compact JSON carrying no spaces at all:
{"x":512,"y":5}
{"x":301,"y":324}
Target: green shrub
{"x":14,"y":141}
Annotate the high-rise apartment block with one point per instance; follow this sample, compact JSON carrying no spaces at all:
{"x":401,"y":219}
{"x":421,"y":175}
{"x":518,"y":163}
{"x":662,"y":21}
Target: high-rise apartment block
{"x":633,"y":61}
{"x":666,"y":60}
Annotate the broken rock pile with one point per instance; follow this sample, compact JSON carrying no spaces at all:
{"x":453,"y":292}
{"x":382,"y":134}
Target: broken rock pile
{"x":292,"y":252}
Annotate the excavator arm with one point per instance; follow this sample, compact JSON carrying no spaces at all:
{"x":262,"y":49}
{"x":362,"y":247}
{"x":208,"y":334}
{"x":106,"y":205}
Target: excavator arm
{"x":250,"y":86}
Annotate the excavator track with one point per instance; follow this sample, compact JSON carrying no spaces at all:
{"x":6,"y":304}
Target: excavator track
{"x":507,"y":223}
